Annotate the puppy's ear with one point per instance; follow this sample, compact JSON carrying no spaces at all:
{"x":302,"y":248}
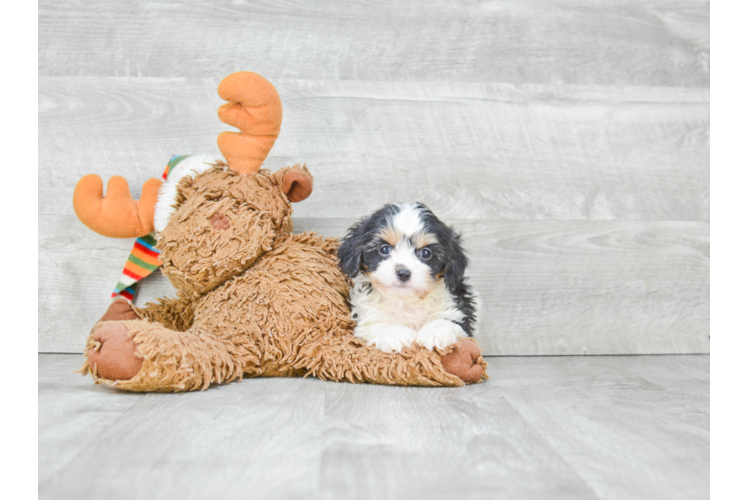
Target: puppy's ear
{"x":350,"y":251}
{"x":457,"y":261}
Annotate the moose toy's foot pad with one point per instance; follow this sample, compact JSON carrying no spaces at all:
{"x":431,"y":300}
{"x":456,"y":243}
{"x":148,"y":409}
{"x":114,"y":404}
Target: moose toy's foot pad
{"x":465,"y":361}
{"x":115,"y":356}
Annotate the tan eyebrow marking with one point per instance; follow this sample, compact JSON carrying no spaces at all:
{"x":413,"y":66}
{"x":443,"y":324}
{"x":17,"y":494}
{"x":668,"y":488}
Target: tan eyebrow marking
{"x":422,"y":238}
{"x":390,"y":235}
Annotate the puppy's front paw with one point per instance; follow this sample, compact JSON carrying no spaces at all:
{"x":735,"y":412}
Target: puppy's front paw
{"x":390,"y":338}
{"x":439,"y":333}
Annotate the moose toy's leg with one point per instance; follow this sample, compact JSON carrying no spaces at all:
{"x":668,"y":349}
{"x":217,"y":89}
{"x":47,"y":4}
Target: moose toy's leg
{"x":349,"y":358}
{"x":114,"y":355}
{"x":141,"y":356}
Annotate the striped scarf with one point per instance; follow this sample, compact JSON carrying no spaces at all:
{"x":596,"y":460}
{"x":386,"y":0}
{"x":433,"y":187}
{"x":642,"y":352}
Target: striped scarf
{"x":144,"y":258}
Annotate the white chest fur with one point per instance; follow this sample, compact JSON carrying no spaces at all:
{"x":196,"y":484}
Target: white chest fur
{"x":370,"y":307}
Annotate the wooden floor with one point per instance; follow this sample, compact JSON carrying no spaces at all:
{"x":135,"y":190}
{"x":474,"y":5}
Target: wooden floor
{"x":597,"y":427}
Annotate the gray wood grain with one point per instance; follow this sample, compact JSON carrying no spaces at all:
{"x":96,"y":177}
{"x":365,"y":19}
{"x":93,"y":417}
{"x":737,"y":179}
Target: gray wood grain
{"x":611,"y":403}
{"x":466,"y":150}
{"x":541,"y":427}
{"x":570,"y":42}
{"x":73,"y":413}
{"x":546,"y":287}
{"x":246,"y":431}
{"x":433,"y":444}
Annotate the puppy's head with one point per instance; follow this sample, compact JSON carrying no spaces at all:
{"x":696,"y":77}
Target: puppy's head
{"x":405,"y":250}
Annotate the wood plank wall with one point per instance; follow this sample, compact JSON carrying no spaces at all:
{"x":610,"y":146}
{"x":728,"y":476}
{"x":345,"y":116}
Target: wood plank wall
{"x":567,"y":139}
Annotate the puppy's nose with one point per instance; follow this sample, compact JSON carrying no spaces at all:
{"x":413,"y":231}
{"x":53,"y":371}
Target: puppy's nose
{"x":403,"y":273}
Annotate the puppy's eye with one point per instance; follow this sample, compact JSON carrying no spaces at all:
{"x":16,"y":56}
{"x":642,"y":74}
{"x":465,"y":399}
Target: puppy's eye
{"x":385,"y":249}
{"x":424,"y":254}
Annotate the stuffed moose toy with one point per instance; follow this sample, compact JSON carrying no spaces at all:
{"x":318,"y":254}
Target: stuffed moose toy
{"x":253,"y":299}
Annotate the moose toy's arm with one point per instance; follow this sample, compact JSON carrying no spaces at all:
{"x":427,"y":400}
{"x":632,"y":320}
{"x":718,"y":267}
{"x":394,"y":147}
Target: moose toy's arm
{"x":176,"y":314}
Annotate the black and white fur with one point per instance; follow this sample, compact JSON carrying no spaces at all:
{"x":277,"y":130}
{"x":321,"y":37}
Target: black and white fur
{"x":408,"y":272}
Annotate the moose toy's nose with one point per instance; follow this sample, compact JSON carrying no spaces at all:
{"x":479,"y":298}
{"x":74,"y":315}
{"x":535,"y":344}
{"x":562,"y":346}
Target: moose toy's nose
{"x":403,"y":273}
{"x":220,"y":221}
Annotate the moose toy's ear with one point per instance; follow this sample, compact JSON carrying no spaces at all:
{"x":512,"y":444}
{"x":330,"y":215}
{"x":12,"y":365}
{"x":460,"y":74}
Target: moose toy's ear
{"x":297,"y":183}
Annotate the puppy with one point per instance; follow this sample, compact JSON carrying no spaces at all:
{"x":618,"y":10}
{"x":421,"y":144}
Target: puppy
{"x":408,"y":271}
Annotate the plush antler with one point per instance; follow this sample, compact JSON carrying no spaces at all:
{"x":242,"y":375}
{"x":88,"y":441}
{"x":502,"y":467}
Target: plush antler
{"x":254,"y":107}
{"x":115,"y":215}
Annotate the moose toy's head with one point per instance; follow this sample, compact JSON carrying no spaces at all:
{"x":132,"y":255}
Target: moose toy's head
{"x":213,"y":219}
